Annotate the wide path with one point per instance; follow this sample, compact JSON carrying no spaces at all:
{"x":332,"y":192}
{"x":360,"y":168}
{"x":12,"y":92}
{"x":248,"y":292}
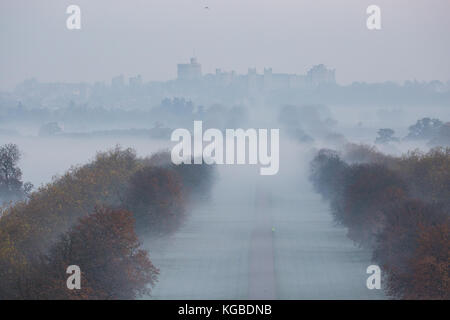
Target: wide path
{"x":261,"y":238}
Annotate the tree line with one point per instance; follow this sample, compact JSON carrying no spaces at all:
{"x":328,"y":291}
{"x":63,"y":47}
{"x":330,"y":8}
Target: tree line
{"x":436,"y":132}
{"x":96,"y":216}
{"x":399,"y":207}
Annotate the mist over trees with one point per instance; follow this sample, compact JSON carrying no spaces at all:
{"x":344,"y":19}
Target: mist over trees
{"x":12,"y":187}
{"x":385,"y":135}
{"x":433,"y":131}
{"x":155,"y":197}
{"x":197,"y":179}
{"x":94,"y":215}
{"x":104,"y":213}
{"x":425,"y":129}
{"x":105,"y":246}
{"x":211,"y":89}
{"x":74,"y":108}
{"x":443,"y":136}
{"x":399,"y":207}
{"x":305,"y":123}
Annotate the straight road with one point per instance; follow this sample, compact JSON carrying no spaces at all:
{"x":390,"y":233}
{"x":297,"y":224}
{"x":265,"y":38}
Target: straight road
{"x":262,"y":284}
{"x":257,"y":239}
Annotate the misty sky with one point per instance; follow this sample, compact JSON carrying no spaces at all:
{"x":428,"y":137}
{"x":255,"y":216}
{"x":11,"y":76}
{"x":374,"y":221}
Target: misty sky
{"x":150,"y":37}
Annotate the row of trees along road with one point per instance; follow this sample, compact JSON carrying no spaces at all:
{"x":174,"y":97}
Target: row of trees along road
{"x":399,"y":207}
{"x":94,"y":216}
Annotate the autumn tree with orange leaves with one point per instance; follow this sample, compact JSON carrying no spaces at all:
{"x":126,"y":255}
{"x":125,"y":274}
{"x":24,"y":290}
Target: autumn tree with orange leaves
{"x":39,"y":237}
{"x":155,"y":198}
{"x":106,"y":248}
{"x":399,"y":208}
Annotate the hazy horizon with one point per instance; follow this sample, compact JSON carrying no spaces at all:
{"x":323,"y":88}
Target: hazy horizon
{"x":151,"y":37}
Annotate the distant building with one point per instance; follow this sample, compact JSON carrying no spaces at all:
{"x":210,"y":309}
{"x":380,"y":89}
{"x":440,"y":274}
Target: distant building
{"x":224,"y":78}
{"x":118,"y":82}
{"x":320,"y":74}
{"x":135,"y":81}
{"x":268,"y":81}
{"x":276,"y":81}
{"x":189,"y":71}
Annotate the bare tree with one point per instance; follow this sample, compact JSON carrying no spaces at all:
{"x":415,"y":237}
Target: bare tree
{"x":11,"y":185}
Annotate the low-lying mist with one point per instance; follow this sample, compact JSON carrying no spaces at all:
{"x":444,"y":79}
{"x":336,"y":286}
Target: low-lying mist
{"x":242,"y":220}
